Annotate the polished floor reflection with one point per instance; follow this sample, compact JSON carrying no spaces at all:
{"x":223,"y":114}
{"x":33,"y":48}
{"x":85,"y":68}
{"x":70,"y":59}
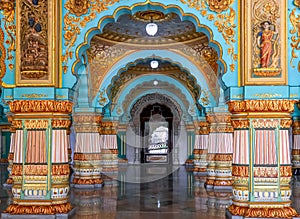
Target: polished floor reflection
{"x":181,"y":194}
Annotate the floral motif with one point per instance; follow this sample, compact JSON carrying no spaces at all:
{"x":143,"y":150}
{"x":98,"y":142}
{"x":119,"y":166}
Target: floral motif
{"x":224,"y":22}
{"x":219,"y":5}
{"x":73,"y":23}
{"x":7,"y":6}
{"x":295,"y":20}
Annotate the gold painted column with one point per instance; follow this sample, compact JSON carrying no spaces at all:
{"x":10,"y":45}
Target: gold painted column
{"x":40,"y":170}
{"x":261,"y":160}
{"x":87,"y":157}
{"x":296,"y":146}
{"x":109,"y":151}
{"x":220,"y":142}
{"x":200,"y":148}
{"x":10,"y":158}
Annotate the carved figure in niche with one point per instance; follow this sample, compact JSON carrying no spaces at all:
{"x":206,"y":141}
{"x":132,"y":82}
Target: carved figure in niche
{"x":265,"y":41}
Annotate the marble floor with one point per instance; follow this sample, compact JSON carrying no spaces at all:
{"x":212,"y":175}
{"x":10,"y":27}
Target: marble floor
{"x":152,"y":193}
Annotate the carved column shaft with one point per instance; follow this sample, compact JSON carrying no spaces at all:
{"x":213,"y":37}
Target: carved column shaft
{"x":261,"y":158}
{"x":87,"y":153}
{"x":219,"y":150}
{"x":40,"y":170}
{"x":200,"y":148}
{"x":109,"y":149}
{"x":296,"y":146}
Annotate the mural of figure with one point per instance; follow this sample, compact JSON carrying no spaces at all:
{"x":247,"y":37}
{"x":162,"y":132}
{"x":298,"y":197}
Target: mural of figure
{"x":265,"y":39}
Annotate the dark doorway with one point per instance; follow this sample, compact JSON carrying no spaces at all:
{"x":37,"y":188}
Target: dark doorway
{"x":156,"y":129}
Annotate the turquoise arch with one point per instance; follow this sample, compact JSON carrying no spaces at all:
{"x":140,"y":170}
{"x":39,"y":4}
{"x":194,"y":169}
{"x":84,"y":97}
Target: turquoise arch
{"x":125,"y":7}
{"x":174,"y":57}
{"x":160,"y":78}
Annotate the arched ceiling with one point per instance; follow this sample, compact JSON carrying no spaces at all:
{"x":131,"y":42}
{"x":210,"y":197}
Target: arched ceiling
{"x":131,"y":29}
{"x":142,"y":67}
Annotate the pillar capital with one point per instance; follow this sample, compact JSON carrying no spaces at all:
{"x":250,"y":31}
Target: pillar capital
{"x":86,"y":122}
{"x":249,"y":107}
{"x":108,"y":127}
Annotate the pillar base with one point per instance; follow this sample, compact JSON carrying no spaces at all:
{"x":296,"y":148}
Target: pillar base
{"x":36,"y":216}
{"x":15,"y":209}
{"x":239,"y":212}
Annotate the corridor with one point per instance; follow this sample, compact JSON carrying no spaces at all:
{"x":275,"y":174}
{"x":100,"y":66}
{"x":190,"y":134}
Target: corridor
{"x":180,"y":195}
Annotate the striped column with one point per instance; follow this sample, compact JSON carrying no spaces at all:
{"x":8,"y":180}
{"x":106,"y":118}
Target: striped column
{"x":200,"y":148}
{"x":109,"y":150}
{"x":261,"y":160}
{"x":296,"y":146}
{"x":220,"y":142}
{"x":9,"y":180}
{"x":87,"y":152}
{"x":40,"y":169}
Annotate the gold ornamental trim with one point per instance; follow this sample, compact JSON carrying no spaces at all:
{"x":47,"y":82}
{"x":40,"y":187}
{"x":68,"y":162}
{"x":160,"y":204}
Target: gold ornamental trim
{"x":87,"y":181}
{"x":200,"y":151}
{"x":240,"y":124}
{"x":223,"y":157}
{"x":286,"y":171}
{"x":17,"y":170}
{"x":86,"y":129}
{"x":36,"y":124}
{"x":86,"y":119}
{"x":223,"y":182}
{"x":240,"y":171}
{"x":284,"y":212}
{"x":39,"y":209}
{"x":218,"y":118}
{"x":296,"y":127}
{"x":267,"y":106}
{"x":286,"y":123}
{"x":16,"y":124}
{"x":60,"y":169}
{"x":35,"y":170}
{"x":220,"y":129}
{"x":61,"y":123}
{"x":108,"y":128}
{"x":87,"y":157}
{"x":40,"y":106}
{"x":295,"y":151}
{"x":295,"y":32}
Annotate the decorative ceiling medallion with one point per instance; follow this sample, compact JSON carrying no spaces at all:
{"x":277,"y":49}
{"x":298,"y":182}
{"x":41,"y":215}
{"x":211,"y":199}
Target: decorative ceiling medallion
{"x":155,"y":16}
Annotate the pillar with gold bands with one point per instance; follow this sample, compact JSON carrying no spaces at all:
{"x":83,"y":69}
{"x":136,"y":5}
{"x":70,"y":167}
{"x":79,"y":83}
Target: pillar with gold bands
{"x":40,"y":170}
{"x":109,"y":150}
{"x":296,"y":142}
{"x":200,"y":148}
{"x":87,"y":152}
{"x":219,"y":150}
{"x":261,"y":160}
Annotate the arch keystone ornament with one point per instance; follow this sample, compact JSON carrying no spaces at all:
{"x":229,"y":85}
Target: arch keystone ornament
{"x":261,"y":159}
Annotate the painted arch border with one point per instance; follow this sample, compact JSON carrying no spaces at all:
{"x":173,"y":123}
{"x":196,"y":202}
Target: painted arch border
{"x":186,"y":13}
{"x":174,"y":57}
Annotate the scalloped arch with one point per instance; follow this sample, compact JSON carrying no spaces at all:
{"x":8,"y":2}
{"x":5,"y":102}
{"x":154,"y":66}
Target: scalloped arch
{"x":102,"y":21}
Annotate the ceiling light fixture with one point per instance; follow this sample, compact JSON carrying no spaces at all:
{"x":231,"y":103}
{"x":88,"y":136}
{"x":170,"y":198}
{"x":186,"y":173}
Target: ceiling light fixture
{"x":151,"y":29}
{"x":154,"y":64}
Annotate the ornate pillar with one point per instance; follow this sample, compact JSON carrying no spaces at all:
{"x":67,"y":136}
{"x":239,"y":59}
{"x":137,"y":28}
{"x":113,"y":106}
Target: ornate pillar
{"x":200,"y":148}
{"x":87,"y":152}
{"x":219,"y":150}
{"x":296,"y":144}
{"x":190,"y":129}
{"x":10,"y":158}
{"x":40,"y":170}
{"x":109,"y":150}
{"x":261,"y":160}
{"x":122,"y":144}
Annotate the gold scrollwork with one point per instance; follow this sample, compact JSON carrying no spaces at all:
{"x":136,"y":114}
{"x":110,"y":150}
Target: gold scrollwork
{"x":281,"y":106}
{"x":108,"y":128}
{"x":39,"y":209}
{"x":297,"y":3}
{"x":78,"y":8}
{"x":30,"y":106}
{"x":224,"y":22}
{"x":36,"y":124}
{"x":73,"y":23}
{"x":8,"y":8}
{"x":284,"y":212}
{"x":60,"y":123}
{"x":2,"y":55}
{"x":86,"y":119}
{"x":240,"y":124}
{"x":295,"y":20}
